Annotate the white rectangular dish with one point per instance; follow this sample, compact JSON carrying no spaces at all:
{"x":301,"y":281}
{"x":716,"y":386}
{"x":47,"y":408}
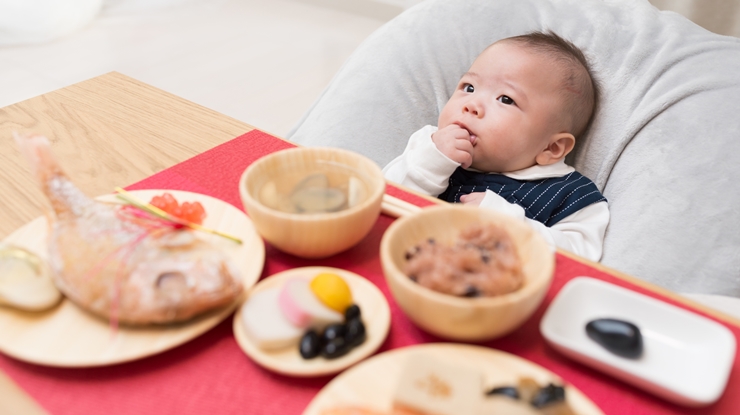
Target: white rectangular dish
{"x":686,"y":358}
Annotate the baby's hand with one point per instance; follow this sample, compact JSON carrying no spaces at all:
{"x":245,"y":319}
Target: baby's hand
{"x":454,"y":142}
{"x":473,"y":198}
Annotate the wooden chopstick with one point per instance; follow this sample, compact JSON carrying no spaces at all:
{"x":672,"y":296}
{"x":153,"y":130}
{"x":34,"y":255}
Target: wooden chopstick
{"x":395,"y":207}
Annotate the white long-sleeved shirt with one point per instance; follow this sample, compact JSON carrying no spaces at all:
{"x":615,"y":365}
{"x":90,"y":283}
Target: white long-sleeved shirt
{"x":422,"y":167}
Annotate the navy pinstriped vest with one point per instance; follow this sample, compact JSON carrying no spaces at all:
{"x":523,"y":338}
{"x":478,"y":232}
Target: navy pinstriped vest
{"x":544,"y":200}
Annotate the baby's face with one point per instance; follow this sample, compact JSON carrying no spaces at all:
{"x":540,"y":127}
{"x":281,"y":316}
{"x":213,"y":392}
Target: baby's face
{"x":510,"y":103}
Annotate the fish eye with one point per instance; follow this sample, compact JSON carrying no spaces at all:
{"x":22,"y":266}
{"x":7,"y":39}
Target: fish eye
{"x":506,"y":100}
{"x":468,"y":88}
{"x":170,"y":279}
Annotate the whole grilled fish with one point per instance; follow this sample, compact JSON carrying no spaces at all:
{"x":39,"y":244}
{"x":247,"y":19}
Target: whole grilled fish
{"x":120,"y":266}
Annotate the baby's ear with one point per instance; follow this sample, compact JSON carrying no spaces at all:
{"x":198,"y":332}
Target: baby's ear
{"x":559,"y":146}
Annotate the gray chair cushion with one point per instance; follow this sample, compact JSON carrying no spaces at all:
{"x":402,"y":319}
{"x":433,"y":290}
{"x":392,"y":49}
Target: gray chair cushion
{"x":663,"y":146}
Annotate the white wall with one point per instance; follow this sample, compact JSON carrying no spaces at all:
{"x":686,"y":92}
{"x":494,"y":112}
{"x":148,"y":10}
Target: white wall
{"x":377,"y":9}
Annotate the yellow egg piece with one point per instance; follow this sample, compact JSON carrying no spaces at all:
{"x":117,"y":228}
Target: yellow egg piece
{"x":332,"y":290}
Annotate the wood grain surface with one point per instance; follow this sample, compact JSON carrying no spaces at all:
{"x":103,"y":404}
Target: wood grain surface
{"x":108,"y":131}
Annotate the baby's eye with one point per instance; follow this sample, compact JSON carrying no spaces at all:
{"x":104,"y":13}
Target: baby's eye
{"x":506,"y":100}
{"x":468,"y":88}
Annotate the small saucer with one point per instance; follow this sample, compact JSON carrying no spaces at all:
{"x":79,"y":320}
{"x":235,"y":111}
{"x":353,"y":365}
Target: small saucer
{"x":686,"y":358}
{"x":375,"y":314}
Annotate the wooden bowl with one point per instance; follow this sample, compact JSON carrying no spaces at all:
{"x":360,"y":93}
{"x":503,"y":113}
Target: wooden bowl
{"x":311,"y":235}
{"x":460,"y":318}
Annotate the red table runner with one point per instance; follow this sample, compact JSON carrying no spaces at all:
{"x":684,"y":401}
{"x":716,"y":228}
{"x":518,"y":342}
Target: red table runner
{"x":211,"y":375}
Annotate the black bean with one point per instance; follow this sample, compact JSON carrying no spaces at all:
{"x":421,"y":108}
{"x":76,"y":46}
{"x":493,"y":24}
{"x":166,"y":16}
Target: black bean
{"x":412,"y":252}
{"x":471,"y":291}
{"x":310,"y":345}
{"x":335,"y":348}
{"x":509,"y":391}
{"x":351,"y":312}
{"x":355,"y":332}
{"x":548,"y":395}
{"x":334,"y":331}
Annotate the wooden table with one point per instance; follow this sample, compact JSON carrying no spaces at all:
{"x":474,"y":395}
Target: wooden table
{"x":113,"y":131}
{"x":108,"y":131}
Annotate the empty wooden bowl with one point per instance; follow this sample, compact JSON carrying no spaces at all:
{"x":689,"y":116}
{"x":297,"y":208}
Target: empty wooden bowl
{"x":461,"y":318}
{"x":270,"y":182}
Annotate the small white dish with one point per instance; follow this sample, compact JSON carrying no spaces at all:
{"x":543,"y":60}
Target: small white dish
{"x":686,"y":358}
{"x":376,"y":315}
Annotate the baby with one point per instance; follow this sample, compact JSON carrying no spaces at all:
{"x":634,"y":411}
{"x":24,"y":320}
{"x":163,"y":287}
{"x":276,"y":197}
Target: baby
{"x":502,"y":139}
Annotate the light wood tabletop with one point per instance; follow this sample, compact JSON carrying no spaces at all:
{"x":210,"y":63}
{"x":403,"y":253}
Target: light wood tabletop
{"x":107,"y":131}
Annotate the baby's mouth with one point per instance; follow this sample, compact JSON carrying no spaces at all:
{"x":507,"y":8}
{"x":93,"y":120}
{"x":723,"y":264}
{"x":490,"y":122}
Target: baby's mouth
{"x":473,"y":137}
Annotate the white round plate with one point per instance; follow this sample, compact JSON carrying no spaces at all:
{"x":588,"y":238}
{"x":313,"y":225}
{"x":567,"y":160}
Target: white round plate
{"x":67,"y":336}
{"x":375,"y":314}
{"x":372,"y":383}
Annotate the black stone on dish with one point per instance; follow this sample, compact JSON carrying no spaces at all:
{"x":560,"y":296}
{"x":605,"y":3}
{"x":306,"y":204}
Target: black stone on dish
{"x":617,"y":336}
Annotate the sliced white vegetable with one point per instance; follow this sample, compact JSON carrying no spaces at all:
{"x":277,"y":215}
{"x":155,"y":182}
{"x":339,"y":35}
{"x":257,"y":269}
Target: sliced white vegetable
{"x":265,"y":324}
{"x":25,"y":281}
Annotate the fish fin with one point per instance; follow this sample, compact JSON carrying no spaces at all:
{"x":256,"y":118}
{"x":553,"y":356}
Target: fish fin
{"x":36,"y":149}
{"x":62,"y":194}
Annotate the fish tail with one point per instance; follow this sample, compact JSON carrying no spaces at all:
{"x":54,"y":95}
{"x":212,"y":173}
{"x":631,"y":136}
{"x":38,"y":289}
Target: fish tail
{"x":64,"y":196}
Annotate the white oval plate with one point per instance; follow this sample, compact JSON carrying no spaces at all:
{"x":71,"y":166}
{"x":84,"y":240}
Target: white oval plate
{"x":375,"y":314}
{"x":686,"y":357}
{"x":67,"y":336}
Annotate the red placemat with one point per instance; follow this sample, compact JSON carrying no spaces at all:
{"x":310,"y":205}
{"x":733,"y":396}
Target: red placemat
{"x":212,"y":375}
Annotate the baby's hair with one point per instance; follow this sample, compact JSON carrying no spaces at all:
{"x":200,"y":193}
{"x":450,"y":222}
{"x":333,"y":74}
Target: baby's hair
{"x":581,"y":90}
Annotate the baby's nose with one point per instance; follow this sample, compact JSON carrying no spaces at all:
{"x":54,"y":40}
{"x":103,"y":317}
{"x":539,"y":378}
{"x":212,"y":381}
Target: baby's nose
{"x":473,"y":108}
